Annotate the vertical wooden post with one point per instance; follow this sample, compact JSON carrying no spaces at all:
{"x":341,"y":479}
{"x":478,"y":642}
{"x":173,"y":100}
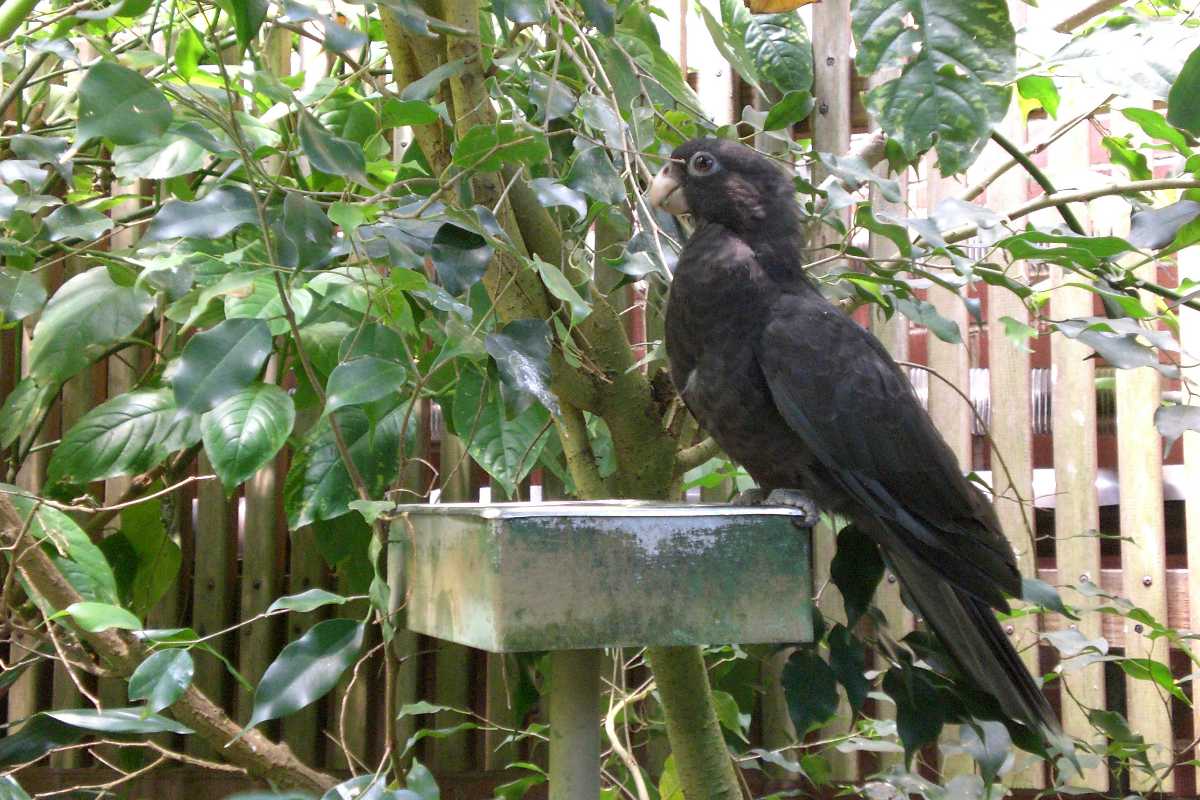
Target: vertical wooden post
{"x":1189,"y":334}
{"x":452,"y":682}
{"x":575,"y":724}
{"x":306,"y":570}
{"x":1011,"y":400}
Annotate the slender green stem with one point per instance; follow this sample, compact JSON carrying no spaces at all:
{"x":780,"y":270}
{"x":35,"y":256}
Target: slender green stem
{"x":1036,"y":173}
{"x":12,"y":14}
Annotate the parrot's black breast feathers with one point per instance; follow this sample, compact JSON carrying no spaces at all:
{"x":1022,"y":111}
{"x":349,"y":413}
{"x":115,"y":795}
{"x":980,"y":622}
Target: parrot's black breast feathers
{"x":804,"y":398}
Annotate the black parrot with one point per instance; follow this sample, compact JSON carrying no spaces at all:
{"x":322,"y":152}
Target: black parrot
{"x":812,"y":405}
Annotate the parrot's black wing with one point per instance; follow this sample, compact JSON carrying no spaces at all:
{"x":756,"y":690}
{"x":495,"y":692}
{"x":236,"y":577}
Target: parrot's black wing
{"x":854,"y":409}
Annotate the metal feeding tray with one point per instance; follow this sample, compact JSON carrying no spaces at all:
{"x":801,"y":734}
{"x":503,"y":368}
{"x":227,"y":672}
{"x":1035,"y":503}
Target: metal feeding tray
{"x":510,"y":577}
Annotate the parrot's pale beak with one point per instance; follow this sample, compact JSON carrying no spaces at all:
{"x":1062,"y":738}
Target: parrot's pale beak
{"x":666,"y":190}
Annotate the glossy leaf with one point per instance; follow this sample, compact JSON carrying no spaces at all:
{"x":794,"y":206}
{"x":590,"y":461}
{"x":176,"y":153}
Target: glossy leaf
{"x":363,"y":380}
{"x":924,"y":313}
{"x":329,"y":153}
{"x":245,"y":431}
{"x":21,"y":294}
{"x":781,"y":50}
{"x":792,"y":108}
{"x":144,"y":556}
{"x":919,"y":710}
{"x":1156,"y":228}
{"x":506,"y":449}
{"x":848,"y":660}
{"x":22,"y":409}
{"x":85,"y":317}
{"x":856,"y":570}
{"x":118,"y":721}
{"x":189,"y":49}
{"x":560,"y":287}
{"x":601,"y":14}
{"x":318,"y":486}
{"x":248,"y":17}
{"x":162,"y":678}
{"x":164,"y":157}
{"x":219,"y":363}
{"x":1042,"y":90}
{"x":309,"y":600}
{"x":522,"y":353}
{"x":120,"y":105}
{"x":593,"y":174}
{"x":1151,"y":56}
{"x":73,"y":223}
{"x":127,"y":435}
{"x":73,"y":552}
{"x":522,"y":12}
{"x":1183,"y":100}
{"x":427,"y":85}
{"x":956,"y":60}
{"x":219,"y":212}
{"x":303,"y":233}
{"x":486,"y":148}
{"x":811,"y":690}
{"x":1173,"y":421}
{"x":95,"y":617}
{"x":460,"y":257}
{"x":307,"y":669}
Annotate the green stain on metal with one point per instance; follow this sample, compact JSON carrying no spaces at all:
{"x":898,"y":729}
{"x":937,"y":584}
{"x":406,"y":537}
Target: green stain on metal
{"x":513,"y":577}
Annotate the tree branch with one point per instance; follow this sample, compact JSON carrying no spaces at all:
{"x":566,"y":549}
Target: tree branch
{"x":1036,"y":173}
{"x":1077,"y":18}
{"x":256,"y":753}
{"x":692,"y":457}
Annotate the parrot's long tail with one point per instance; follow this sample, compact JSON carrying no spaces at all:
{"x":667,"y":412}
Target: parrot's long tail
{"x":970,"y":632}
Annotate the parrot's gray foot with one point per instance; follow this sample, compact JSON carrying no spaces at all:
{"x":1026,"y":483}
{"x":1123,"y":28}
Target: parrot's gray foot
{"x":793,"y":498}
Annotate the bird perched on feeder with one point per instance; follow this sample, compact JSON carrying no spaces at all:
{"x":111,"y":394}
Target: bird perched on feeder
{"x":814,"y":408}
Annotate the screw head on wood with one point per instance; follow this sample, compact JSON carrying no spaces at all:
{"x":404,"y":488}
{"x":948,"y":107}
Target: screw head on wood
{"x":1085,"y":578}
{"x":1137,"y":628}
{"x":1009,"y":629}
{"x":1147,"y":580}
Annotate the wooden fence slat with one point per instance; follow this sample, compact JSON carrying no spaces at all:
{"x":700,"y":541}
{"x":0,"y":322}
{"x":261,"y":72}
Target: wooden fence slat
{"x":452,"y":685}
{"x":1011,"y":428}
{"x":1143,"y":550}
{"x":1189,"y":327}
{"x":950,"y":413}
{"x":212,"y":586}
{"x":306,"y":570}
{"x":260,"y":581}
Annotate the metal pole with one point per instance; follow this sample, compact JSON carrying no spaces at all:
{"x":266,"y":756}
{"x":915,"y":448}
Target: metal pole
{"x":575,"y":725}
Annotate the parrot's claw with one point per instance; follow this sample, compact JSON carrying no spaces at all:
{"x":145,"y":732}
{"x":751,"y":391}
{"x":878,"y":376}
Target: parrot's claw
{"x":792,"y":498}
{"x":750,"y":497}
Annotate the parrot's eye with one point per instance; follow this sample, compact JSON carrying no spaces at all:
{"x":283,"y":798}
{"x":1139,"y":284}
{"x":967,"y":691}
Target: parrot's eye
{"x":702,"y":164}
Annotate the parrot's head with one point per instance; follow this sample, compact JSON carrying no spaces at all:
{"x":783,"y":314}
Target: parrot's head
{"x":716,"y":180}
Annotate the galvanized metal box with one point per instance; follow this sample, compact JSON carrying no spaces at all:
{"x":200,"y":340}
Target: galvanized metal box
{"x":559,"y":576}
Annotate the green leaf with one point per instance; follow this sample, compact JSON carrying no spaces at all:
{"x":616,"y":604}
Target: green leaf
{"x":127,"y":435}
{"x":848,"y":659}
{"x":85,"y":317}
{"x":306,"y":601}
{"x":1154,"y":125}
{"x":560,"y":287}
{"x":118,"y":721}
{"x":1136,"y":58}
{"x":21,"y":294}
{"x":924,"y":313}
{"x":522,"y":12}
{"x":248,"y":17}
{"x":781,"y":50}
{"x":486,"y":148}
{"x":856,"y":570}
{"x":1172,"y":421}
{"x":552,"y":98}
{"x":956,"y":60}
{"x":1040,"y":88}
{"x":1147,"y":669}
{"x":245,"y":431}
{"x":217,"y":213}
{"x":410,"y":14}
{"x":23,"y":408}
{"x":219,"y":363}
{"x":669,"y":787}
{"x":143,"y":555}
{"x":72,"y":550}
{"x":600,"y":14}
{"x":72,"y":222}
{"x":919,"y":709}
{"x":158,"y":159}
{"x":730,"y":716}
{"x":95,"y":617}
{"x":1183,"y":101}
{"x":731,"y":43}
{"x":594,"y":174}
{"x":188,"y":52}
{"x":401,"y":113}
{"x":303,"y":233}
{"x":506,"y":449}
{"x":318,"y":486}
{"x":307,"y":669}
{"x":552,"y":193}
{"x":1122,"y":153}
{"x":37,"y":736}
{"x":1019,"y":333}
{"x":11,"y":790}
{"x":811,"y":690}
{"x":162,"y":678}
{"x":420,"y":780}
{"x":460,"y":257}
{"x":120,"y":105}
{"x":427,"y":85}
{"x":522,"y":353}
{"x":329,"y":153}
{"x":793,"y":107}
{"x":363,"y":380}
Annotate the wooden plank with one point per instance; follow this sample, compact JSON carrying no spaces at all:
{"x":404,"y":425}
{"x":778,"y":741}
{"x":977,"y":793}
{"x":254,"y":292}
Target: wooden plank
{"x":306,"y":570}
{"x":950,"y":366}
{"x":1073,"y":420}
{"x":1179,"y":604}
{"x":831,"y":134}
{"x":213,"y":586}
{"x":1189,"y":334}
{"x":1143,"y":549}
{"x":1011,"y":395}
{"x":452,"y":662}
{"x":350,"y":705}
